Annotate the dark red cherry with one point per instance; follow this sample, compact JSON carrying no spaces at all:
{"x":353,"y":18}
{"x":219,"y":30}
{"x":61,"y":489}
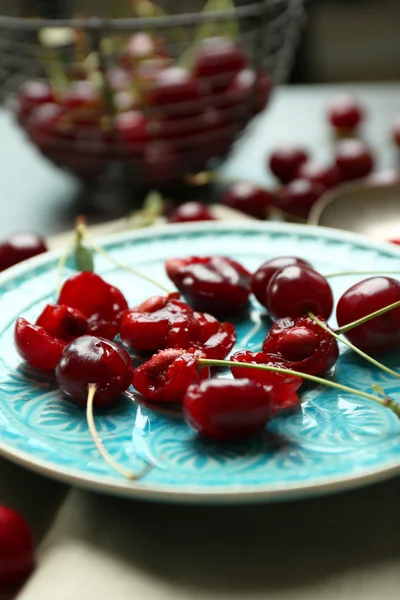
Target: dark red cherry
{"x":248,"y":90}
{"x":296,"y":290}
{"x":283,"y":387}
{"x":381,"y":334}
{"x":63,"y":322}
{"x":353,"y":159}
{"x":213,"y":338}
{"x":325,"y":175}
{"x":396,"y":132}
{"x":299,"y":196}
{"x":345,"y":112}
{"x":191,"y":211}
{"x":211,"y":284}
{"x":16,"y":548}
{"x":248,"y":198}
{"x":303,"y":344}
{"x":90,"y":294}
{"x":19,"y":247}
{"x":175,"y":91}
{"x":161,"y":164}
{"x":131,"y":128}
{"x":92,"y":360}
{"x":39,"y":349}
{"x":217,"y":60}
{"x":262,"y":276}
{"x":82,"y":94}
{"x":227,"y":409}
{"x":32,"y":94}
{"x":285,"y":161}
{"x":168,"y":374}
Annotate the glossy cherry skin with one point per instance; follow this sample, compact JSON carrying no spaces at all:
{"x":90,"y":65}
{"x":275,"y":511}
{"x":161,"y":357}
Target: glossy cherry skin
{"x":378,"y":335}
{"x":19,"y":247}
{"x":131,"y":128}
{"x":176,"y":92}
{"x":249,"y":92}
{"x":296,"y":290}
{"x":213,"y":338}
{"x":285,"y":161}
{"x":325,"y":175}
{"x":345,"y":112}
{"x":283,"y":387}
{"x":353,"y":159}
{"x":211,"y":284}
{"x":63,"y":322}
{"x":249,"y":199}
{"x":303,"y":344}
{"x":32,"y":94}
{"x":168,"y":374}
{"x":94,"y":360}
{"x":191,"y":211}
{"x":262,"y":276}
{"x":39,"y":349}
{"x":299,"y":196}
{"x":217,"y":60}
{"x":227,"y":409}
{"x":16,"y":548}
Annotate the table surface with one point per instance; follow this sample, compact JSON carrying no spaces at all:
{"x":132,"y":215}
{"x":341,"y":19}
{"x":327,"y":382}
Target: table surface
{"x":342,"y":547}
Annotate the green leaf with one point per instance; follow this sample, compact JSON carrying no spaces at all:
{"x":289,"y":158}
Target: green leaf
{"x":84,"y":259}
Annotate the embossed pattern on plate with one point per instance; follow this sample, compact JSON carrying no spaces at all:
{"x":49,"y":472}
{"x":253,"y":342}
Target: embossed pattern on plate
{"x":335,"y":441}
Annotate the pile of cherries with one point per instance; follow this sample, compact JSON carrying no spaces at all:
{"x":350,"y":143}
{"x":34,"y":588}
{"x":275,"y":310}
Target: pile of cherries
{"x":169,"y":120}
{"x":166,"y":345}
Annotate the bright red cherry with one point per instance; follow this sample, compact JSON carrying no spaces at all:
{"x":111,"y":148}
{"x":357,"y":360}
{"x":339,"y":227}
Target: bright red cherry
{"x":262,"y":276}
{"x":345,"y":112}
{"x":176,"y":92}
{"x":16,"y":548}
{"x":228,"y":409}
{"x":303,"y":344}
{"x":92,"y":360}
{"x":39,"y":349}
{"x":63,"y":322}
{"x":299,"y":196}
{"x":212,"y":283}
{"x":353,"y":159}
{"x":248,"y":198}
{"x":285,"y":161}
{"x":217,"y":60}
{"x":325,"y":175}
{"x":19,"y":247}
{"x":191,"y":211}
{"x":32,"y":94}
{"x":296,"y":290}
{"x":168,"y":374}
{"x":381,"y":334}
{"x":283,"y":387}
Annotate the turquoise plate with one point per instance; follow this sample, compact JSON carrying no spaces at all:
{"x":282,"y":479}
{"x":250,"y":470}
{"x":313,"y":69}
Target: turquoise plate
{"x":336,"y":441}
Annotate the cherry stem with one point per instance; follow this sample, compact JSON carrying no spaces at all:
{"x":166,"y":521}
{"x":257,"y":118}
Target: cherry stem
{"x":344,"y":273}
{"x":99,"y":444}
{"x":367,"y":318}
{"x":334,"y":334}
{"x":387,"y":402}
{"x":82,"y":231}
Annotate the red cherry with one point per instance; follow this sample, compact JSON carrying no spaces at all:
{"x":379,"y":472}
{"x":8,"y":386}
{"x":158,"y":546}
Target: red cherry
{"x":296,"y":290}
{"x":285,"y":161}
{"x":248,"y":88}
{"x":283,"y":387}
{"x":262,"y":276}
{"x":147,"y":70}
{"x":32,"y":94}
{"x":396,"y":132}
{"x":212,"y":283}
{"x":381,"y":334}
{"x":16,"y":548}
{"x":325,"y":175}
{"x":82,"y":94}
{"x":353,"y":159}
{"x":227,"y":409}
{"x":131,"y":128}
{"x":39,"y":349}
{"x":345,"y":112}
{"x":303,"y":344}
{"x":168,"y":374}
{"x":63,"y":322}
{"x":217,"y":60}
{"x":299,"y":196}
{"x":161,"y":164}
{"x":248,"y":198}
{"x":90,"y":294}
{"x":213,"y":338}
{"x":19,"y":247}
{"x":92,"y":360}
{"x":176,"y":92}
{"x":50,"y":130}
{"x":105,"y":328}
{"x":191,"y":211}
{"x":120,"y":79}
{"x":140,"y":45}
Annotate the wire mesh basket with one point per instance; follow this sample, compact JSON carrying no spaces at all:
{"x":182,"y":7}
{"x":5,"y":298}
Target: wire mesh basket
{"x":145,"y":92}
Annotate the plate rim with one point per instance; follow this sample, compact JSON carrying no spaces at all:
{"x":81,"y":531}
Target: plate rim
{"x":218,"y":494}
